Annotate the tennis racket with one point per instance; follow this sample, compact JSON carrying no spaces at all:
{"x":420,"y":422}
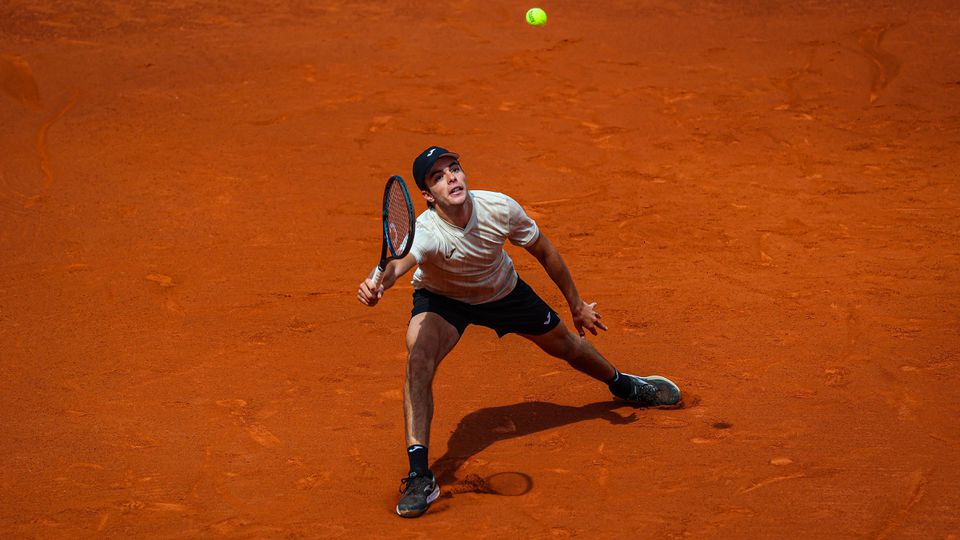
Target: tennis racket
{"x":399,"y":225}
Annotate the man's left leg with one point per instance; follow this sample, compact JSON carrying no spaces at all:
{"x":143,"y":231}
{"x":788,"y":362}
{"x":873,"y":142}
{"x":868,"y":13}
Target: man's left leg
{"x":582,"y":356}
{"x":576,"y":351}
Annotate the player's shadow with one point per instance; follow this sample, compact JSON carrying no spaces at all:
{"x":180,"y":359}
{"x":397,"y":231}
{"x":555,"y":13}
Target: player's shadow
{"x":480,"y":429}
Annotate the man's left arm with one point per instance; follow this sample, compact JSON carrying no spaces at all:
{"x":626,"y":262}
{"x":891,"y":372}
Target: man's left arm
{"x":584,"y":314}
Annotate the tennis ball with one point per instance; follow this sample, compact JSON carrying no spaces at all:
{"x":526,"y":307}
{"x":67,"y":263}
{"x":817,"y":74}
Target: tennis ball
{"x":536,"y":17}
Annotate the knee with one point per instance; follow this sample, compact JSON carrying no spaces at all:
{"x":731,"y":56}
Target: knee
{"x":420,"y":367}
{"x":568,"y":348}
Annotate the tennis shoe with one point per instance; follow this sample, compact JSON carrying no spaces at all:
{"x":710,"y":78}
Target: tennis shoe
{"x":650,"y":391}
{"x":419,"y":490}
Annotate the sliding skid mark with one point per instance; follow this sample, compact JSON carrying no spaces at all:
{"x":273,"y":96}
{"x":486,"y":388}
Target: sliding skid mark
{"x":41,"y":146}
{"x":918,"y":483}
{"x":884,"y":67}
{"x":773,"y":480}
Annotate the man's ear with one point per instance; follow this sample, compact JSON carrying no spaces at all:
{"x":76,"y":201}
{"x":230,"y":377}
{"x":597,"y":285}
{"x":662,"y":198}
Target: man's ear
{"x":427,"y":195}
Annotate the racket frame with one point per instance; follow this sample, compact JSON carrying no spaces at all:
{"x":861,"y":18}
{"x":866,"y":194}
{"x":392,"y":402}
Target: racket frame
{"x":387,"y":250}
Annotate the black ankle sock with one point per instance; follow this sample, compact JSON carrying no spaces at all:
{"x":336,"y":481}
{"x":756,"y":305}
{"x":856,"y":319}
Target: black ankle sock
{"x":417,"y":454}
{"x":619,"y":386}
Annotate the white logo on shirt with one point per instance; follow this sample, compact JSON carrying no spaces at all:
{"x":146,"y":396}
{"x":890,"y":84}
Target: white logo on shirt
{"x":546,"y":322}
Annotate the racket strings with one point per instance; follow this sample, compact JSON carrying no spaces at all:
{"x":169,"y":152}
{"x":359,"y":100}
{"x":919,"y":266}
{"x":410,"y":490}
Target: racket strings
{"x":398,"y":221}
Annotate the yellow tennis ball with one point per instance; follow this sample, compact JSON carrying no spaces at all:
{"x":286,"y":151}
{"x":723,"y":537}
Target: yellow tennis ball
{"x":536,"y":17}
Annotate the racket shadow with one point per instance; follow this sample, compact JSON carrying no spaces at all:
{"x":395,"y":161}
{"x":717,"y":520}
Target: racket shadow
{"x":482,"y":428}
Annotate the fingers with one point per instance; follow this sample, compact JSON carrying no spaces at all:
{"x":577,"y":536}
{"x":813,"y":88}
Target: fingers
{"x":379,"y":288}
{"x":363,"y":299}
{"x":366,"y":300}
{"x":589,"y":319}
{"x":596,"y":321}
{"x":582,"y":324}
{"x":366,"y":294}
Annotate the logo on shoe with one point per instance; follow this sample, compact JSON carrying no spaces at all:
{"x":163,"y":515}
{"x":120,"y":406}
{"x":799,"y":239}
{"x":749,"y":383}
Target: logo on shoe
{"x":546,"y":322}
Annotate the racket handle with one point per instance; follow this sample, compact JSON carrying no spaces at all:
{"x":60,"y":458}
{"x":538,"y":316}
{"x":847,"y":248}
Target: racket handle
{"x":377,"y":278}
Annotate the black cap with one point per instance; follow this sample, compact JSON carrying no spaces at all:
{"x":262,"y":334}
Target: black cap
{"x":425,"y":161}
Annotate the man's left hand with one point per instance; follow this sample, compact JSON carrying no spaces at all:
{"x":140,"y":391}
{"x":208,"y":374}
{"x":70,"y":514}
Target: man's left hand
{"x":586,"y":317}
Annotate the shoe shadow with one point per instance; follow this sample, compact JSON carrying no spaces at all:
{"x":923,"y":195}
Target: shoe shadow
{"x":482,"y":428}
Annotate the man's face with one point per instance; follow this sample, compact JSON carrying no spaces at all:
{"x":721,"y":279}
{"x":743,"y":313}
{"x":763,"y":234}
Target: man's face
{"x":446,"y":182}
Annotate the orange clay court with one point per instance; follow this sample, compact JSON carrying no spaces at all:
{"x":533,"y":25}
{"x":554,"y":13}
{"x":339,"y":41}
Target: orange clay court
{"x":762,"y":196}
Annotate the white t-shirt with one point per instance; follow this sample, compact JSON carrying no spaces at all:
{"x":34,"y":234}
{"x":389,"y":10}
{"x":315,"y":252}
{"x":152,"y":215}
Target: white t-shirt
{"x":470,"y":264}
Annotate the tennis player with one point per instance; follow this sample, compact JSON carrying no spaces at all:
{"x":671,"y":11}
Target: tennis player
{"x":465,"y":277}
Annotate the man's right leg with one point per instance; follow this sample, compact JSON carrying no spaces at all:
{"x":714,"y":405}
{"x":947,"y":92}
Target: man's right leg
{"x":429,"y":339}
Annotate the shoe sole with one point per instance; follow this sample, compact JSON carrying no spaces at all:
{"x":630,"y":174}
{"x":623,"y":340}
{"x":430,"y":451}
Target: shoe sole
{"x":673,"y":388}
{"x":416,"y":513}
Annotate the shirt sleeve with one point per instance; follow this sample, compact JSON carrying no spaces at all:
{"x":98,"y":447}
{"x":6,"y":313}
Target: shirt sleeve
{"x":523,"y":229}
{"x":425,"y":244}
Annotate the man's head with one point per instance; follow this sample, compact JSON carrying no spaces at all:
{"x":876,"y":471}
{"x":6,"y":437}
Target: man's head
{"x":433,"y":165}
{"x":425,"y":161}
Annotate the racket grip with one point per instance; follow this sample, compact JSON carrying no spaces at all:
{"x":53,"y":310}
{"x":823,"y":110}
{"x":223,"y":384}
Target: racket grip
{"x":377,"y":278}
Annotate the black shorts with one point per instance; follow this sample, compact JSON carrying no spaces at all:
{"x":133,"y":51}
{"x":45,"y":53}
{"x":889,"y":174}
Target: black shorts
{"x":520,"y":312}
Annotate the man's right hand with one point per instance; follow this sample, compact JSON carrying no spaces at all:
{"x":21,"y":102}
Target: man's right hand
{"x":369,"y":294}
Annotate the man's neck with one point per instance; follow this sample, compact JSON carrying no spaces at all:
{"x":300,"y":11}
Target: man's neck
{"x":458,"y":215}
